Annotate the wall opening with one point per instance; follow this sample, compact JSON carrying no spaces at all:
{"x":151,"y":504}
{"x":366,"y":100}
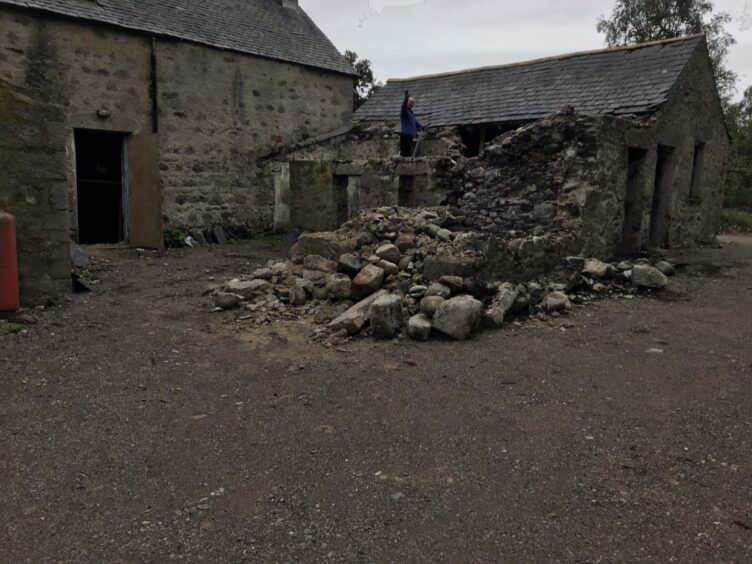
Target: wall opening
{"x":341,"y":200}
{"x":660,"y":213}
{"x":474,"y":139}
{"x":632,"y":228}
{"x":698,"y":175}
{"x":101,"y":187}
{"x":406,"y":191}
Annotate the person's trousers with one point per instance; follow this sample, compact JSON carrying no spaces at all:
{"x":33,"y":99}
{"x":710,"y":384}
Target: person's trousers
{"x":406,"y":145}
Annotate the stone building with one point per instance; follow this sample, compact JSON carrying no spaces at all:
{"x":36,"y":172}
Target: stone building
{"x":614,"y":151}
{"x":161,"y":110}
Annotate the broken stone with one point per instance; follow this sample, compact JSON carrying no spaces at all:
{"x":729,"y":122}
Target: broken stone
{"x":386,"y":316}
{"x":557,"y":301}
{"x":315,"y":276}
{"x":354,"y":319}
{"x":389,"y":268}
{"x":389,"y":253}
{"x":327,"y":245}
{"x":502,"y":304}
{"x":645,"y":276}
{"x":454,"y":283}
{"x":417,"y":292}
{"x":597,"y":269}
{"x":437,"y":289}
{"x":444,"y":235}
{"x":459,"y":317}
{"x":349,"y":264}
{"x":338,"y":287}
{"x":316,"y":262}
{"x":219,"y":234}
{"x":225,"y":300}
{"x":666,"y":268}
{"x":430,"y":304}
{"x":300,"y":292}
{"x":419,"y":327}
{"x":248,"y":290}
{"x":263,"y":274}
{"x":367,"y":281}
{"x":199,"y":237}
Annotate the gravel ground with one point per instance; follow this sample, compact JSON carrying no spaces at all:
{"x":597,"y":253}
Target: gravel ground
{"x":137,"y":426}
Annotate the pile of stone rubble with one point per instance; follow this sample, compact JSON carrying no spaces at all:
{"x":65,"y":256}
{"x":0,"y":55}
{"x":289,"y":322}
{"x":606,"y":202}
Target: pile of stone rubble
{"x":394,"y":271}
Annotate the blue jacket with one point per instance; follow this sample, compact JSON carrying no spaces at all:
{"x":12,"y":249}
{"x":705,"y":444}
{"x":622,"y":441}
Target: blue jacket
{"x":408,"y":124}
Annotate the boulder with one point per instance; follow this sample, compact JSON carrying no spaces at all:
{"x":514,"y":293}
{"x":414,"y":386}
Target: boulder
{"x":316,"y":262}
{"x":355,"y":318}
{"x":645,"y":276}
{"x":386,"y":316}
{"x":367,"y":281}
{"x":419,"y":327}
{"x":459,"y":317}
{"x":338,"y":287}
{"x":557,"y":301}
{"x":501,"y":305}
{"x":389,"y":253}
{"x":430,"y":304}
{"x":349,"y":264}
{"x":225,"y":300}
{"x":597,"y":269}
{"x":666,"y":268}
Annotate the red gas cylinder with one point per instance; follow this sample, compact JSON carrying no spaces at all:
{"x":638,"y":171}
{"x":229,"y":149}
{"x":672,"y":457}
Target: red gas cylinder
{"x":8,"y":264}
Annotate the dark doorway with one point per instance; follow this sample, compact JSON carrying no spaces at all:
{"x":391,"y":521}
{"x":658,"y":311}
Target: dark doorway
{"x":697,"y":186}
{"x":660,"y":214}
{"x":100,"y":194}
{"x":633,"y":207}
{"x":406,"y":191}
{"x":474,"y":139}
{"x":341,"y":200}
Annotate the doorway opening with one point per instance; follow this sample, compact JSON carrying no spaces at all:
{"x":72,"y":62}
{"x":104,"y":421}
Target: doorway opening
{"x":341,"y":200}
{"x":405,"y":191}
{"x":632,"y":227}
{"x":660,"y":214}
{"x":101,"y":187}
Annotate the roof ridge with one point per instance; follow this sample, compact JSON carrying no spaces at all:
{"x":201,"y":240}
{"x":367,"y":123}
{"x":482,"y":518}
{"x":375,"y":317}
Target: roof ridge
{"x":551,"y":59}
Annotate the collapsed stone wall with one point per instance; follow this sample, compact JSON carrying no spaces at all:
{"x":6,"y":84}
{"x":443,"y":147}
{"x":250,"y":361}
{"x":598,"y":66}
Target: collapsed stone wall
{"x":34,"y":188}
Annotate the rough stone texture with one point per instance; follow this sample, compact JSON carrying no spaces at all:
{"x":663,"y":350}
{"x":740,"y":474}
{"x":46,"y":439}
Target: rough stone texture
{"x":367,"y":281}
{"x":666,"y":268}
{"x":458,"y":318}
{"x":430,"y":304}
{"x":646,"y":276}
{"x":389,"y":253}
{"x":387,"y":316}
{"x":338,"y":287}
{"x":316,"y":262}
{"x":419,"y":327}
{"x":219,"y":111}
{"x":248,"y":289}
{"x":225,"y":300}
{"x":34,"y":188}
{"x":502,"y":303}
{"x":355,"y":318}
{"x":557,"y":301}
{"x":596,"y":268}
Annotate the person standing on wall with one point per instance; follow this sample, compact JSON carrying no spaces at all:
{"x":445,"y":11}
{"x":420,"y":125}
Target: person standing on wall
{"x":409,"y":126}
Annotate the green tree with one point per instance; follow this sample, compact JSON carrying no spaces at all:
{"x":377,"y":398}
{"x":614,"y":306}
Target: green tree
{"x":739,"y":179}
{"x":637,"y":21}
{"x":366,"y":84}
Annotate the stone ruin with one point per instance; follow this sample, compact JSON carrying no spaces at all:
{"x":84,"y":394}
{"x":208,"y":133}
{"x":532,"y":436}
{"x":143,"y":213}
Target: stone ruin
{"x":395,"y":272}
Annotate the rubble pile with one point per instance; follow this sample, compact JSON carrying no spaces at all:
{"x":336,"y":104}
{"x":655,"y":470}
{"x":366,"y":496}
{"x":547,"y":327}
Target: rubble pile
{"x":417,"y":272}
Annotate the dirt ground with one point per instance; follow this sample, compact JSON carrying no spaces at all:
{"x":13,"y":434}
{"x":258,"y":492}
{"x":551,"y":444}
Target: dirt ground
{"x":138,"y":426}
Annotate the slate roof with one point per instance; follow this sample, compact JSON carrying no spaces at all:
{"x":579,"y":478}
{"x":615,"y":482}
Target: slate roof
{"x":257,"y":27}
{"x":627,"y":80}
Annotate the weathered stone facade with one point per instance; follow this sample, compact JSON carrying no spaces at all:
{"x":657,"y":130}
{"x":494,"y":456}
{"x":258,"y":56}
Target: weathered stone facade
{"x":34,"y":188}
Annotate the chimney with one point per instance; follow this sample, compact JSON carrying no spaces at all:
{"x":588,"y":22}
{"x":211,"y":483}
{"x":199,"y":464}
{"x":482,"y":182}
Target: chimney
{"x":293,"y":4}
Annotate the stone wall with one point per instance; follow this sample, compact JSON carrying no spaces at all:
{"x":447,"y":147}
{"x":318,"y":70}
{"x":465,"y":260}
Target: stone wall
{"x":34,"y":188}
{"x":218,"y":111}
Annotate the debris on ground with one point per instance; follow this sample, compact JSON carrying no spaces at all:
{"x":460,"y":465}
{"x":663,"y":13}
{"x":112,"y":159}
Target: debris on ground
{"x":395,"y":272}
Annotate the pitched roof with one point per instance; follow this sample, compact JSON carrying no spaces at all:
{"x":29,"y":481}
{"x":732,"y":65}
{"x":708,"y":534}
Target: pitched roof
{"x":625,"y":80}
{"x":258,"y":27}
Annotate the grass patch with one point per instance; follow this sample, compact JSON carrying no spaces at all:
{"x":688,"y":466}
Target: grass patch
{"x":736,"y":220}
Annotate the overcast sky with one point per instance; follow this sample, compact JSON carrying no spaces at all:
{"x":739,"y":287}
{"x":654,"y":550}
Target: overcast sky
{"x":415,"y":37}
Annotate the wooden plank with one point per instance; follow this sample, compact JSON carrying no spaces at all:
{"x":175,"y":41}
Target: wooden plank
{"x":144,"y":192}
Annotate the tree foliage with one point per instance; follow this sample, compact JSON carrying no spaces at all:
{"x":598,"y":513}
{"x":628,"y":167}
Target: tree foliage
{"x":739,"y":179}
{"x":366,"y":84}
{"x":637,"y":21}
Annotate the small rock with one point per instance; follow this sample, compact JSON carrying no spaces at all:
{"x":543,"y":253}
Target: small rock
{"x":389,"y":268}
{"x":219,"y":235}
{"x":502,"y":304}
{"x":438,"y":289}
{"x":454,"y":283}
{"x":389,"y":253}
{"x":300,"y":292}
{"x":430,"y":304}
{"x":419,"y":327}
{"x":386,"y":316}
{"x":666,"y":268}
{"x":225,"y":300}
{"x":624,"y":266}
{"x":645,"y":276}
{"x":367,"y":281}
{"x":444,"y":235}
{"x":338,"y":287}
{"x":432,"y":230}
{"x":459,"y":317}
{"x":349,"y":264}
{"x":597,"y":269}
{"x":557,"y":301}
{"x":319,"y":263}
{"x":417,"y":292}
{"x":248,"y":290}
